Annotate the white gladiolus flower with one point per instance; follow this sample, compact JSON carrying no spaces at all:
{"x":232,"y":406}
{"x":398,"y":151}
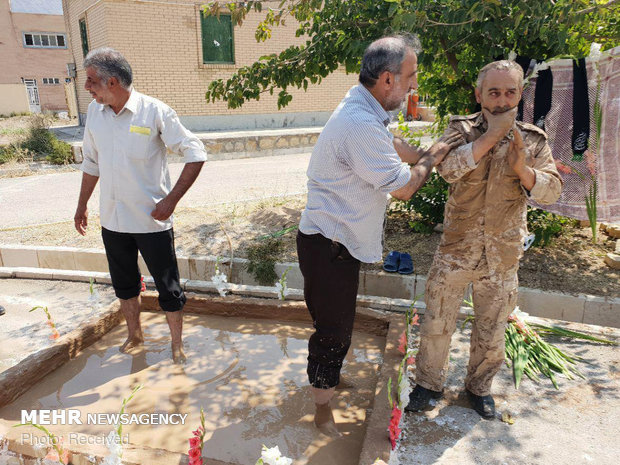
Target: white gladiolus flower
{"x":512,"y":56}
{"x":404,"y":389}
{"x":517,"y":313}
{"x":595,"y":51}
{"x":270,"y":456}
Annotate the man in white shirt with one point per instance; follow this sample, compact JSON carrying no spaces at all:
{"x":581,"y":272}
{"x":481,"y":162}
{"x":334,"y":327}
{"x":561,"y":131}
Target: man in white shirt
{"x":126,"y":138}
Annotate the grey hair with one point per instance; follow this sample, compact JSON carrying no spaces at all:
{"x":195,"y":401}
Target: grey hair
{"x":504,"y":65}
{"x":110,"y":63}
{"x":386,"y":54}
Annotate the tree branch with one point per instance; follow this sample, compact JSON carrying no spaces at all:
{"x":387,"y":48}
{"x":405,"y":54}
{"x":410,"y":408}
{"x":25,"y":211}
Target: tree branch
{"x":596,"y":7}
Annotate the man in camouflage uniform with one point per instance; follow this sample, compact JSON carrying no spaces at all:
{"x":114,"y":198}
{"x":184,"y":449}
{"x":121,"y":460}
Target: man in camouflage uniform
{"x":503,"y":164}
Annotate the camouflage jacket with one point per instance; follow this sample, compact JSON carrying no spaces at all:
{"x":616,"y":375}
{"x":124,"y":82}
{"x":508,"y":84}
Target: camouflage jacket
{"x":486,"y":211}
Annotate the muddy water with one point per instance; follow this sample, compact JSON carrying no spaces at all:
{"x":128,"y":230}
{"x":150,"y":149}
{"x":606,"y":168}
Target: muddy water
{"x":248,"y":375}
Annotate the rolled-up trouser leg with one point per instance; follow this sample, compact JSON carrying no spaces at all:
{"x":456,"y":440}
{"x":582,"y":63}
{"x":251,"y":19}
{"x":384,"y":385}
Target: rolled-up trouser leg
{"x":494,"y":299}
{"x":331,"y":278}
{"x":444,"y":294}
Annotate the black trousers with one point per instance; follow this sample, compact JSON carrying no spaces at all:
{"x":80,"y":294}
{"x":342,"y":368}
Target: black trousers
{"x":157,"y":249}
{"x":331,"y":279}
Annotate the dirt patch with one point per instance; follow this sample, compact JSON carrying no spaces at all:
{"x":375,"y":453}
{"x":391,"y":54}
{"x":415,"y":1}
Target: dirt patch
{"x":571,"y":263}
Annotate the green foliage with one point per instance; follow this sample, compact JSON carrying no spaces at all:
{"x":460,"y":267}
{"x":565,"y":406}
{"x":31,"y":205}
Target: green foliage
{"x":429,"y":203}
{"x":37,"y":141}
{"x":262,"y":257}
{"x":546,"y":225}
{"x":14,"y":153}
{"x":458,"y":38}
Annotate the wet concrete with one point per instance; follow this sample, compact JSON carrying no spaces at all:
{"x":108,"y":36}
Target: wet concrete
{"x":248,"y":375}
{"x":577,"y":424}
{"x":23,"y":333}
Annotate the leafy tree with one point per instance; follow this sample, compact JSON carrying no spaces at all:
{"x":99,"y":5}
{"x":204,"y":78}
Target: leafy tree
{"x":458,"y":38}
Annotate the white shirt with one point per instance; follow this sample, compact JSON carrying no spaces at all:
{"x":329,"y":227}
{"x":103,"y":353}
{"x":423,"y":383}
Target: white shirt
{"x":352,"y":169}
{"x":127,"y":151}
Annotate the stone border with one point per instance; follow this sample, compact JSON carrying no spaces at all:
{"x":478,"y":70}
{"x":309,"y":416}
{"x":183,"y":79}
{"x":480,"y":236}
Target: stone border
{"x":386,"y":291}
{"x":35,"y":367}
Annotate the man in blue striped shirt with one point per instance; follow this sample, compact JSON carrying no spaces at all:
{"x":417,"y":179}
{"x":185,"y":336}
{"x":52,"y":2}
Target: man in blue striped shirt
{"x":355,"y":164}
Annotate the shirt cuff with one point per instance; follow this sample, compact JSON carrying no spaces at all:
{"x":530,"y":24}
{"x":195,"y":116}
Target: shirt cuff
{"x":194,"y":155}
{"x":540,"y":186}
{"x":89,"y":167}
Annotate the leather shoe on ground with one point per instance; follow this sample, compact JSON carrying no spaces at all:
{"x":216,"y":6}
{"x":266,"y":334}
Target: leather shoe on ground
{"x":420,"y":398}
{"x":483,"y":405}
{"x":2,"y":310}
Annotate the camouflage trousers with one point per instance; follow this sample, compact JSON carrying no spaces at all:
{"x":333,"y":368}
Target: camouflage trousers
{"x":494,"y":297}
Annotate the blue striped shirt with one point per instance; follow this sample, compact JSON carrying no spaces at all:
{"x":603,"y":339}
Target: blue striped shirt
{"x":352,"y":169}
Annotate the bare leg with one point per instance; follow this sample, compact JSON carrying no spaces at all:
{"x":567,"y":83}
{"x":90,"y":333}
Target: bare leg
{"x":175,"y":322}
{"x":131,"y":311}
{"x":324,"y":417}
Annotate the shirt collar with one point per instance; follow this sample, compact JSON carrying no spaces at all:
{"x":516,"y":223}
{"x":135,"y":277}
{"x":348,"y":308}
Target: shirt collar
{"x":131,"y":104}
{"x":480,"y":122}
{"x":383,"y":115}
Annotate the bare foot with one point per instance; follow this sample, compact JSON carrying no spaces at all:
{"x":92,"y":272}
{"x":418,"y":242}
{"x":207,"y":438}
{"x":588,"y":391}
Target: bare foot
{"x":178,"y":355}
{"x":324,"y":421}
{"x":131,"y":343}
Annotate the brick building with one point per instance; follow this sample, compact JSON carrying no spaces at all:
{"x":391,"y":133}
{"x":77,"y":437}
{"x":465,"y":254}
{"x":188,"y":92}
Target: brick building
{"x":175,"y":53}
{"x":34,"y":52}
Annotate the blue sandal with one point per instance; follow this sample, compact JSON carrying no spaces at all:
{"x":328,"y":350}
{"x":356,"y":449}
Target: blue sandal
{"x":392,"y":262}
{"x":406,"y":264}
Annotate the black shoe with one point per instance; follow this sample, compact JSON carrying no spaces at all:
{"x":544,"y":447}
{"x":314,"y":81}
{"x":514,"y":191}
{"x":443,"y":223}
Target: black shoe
{"x":2,"y":310}
{"x":420,"y":397}
{"x":483,"y":405}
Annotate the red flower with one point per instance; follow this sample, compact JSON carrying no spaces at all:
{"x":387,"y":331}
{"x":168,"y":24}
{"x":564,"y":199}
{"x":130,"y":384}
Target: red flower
{"x":142,"y":285}
{"x":197,"y":461}
{"x":199,"y":431}
{"x":194,"y":453}
{"x":414,"y":321}
{"x":402,"y":343}
{"x":194,"y":442}
{"x":410,"y":361}
{"x":394,"y":422}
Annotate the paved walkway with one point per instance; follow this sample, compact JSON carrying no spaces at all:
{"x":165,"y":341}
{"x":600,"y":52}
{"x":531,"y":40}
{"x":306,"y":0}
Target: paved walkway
{"x":51,"y":198}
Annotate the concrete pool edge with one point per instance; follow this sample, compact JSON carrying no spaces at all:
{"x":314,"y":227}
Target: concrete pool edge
{"x":20,"y":378}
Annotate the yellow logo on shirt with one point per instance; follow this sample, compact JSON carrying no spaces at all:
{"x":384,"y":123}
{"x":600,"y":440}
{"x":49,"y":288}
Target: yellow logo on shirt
{"x":140,"y":130}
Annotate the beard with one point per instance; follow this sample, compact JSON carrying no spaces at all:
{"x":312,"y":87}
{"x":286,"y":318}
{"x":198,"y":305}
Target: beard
{"x":393,"y":104}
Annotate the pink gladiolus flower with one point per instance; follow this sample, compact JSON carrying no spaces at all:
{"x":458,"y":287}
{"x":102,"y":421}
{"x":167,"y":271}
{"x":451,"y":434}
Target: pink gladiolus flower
{"x":410,"y":361}
{"x":393,"y":428}
{"x":591,"y":161}
{"x":402,"y":343}
{"x":194,"y":442}
{"x":194,"y":453}
{"x":415,"y":320}
{"x":142,"y":285}
{"x":562,"y":168}
{"x":195,"y":462}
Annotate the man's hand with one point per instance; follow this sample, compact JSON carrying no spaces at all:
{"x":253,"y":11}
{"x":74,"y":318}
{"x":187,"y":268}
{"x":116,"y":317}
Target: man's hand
{"x":517,"y":152}
{"x":164,"y":208}
{"x":501,"y":123}
{"x":516,"y":159}
{"x":444,"y":144}
{"x":81,"y":220}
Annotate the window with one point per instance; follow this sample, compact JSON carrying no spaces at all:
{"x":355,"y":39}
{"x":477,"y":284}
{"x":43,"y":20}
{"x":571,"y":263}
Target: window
{"x":217,"y":39}
{"x":51,"y":81}
{"x":84,"y":36}
{"x":44,"y":40}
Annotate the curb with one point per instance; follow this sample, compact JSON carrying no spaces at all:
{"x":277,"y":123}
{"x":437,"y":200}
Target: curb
{"x":386,"y":291}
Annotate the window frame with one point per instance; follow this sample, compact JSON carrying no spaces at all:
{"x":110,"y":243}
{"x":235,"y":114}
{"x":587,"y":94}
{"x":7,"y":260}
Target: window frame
{"x":204,"y":63}
{"x":84,"y":38}
{"x":40,"y":35}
